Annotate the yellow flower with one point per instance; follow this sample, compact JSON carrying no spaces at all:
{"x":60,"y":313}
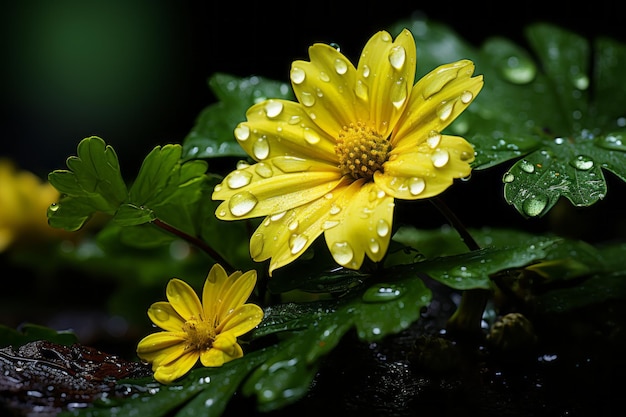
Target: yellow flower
{"x":193,"y":330}
{"x":24,"y":201}
{"x":357,"y":139}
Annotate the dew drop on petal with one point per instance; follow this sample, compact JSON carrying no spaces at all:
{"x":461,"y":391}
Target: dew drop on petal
{"x":307,"y":99}
{"x":294,"y":120}
{"x":374,"y":246}
{"x":261,"y":149}
{"x":311,"y":136}
{"x":466,"y":97}
{"x":242,"y":132}
{"x":242,"y":203}
{"x":335,"y":209}
{"x":273,"y":108}
{"x":293,"y":225}
{"x":238,"y":179}
{"x":256,"y":245}
{"x":416,"y":185}
{"x":342,"y":252}
{"x":297,"y":243}
{"x":160,"y":314}
{"x":444,"y":111}
{"x":329,"y":224}
{"x":340,"y":66}
{"x":399,"y":94}
{"x":324,"y":77}
{"x":277,"y":216}
{"x":382,"y":228}
{"x":264,"y":170}
{"x":385,"y":37}
{"x":297,"y":75}
{"x":440,"y":157}
{"x":433,"y":139}
{"x":361,"y":90}
{"x":366,"y":71}
{"x":397,"y":56}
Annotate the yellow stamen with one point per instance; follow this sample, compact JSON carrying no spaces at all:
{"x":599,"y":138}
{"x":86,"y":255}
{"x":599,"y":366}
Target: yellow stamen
{"x":200,"y":334}
{"x":361,"y":150}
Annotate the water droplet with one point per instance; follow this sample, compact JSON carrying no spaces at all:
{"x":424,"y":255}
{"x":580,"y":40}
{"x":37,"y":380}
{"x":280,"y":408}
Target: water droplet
{"x":374,"y":246}
{"x":385,"y":37}
{"x":297,"y":75}
{"x":416,"y":185}
{"x":366,"y":71}
{"x":54,"y":206}
{"x":293,"y":225}
{"x":382,"y":228}
{"x":311,"y":136}
{"x":335,"y":209}
{"x":340,"y":66}
{"x":397,"y":56}
{"x":277,"y":216}
{"x":508,"y":177}
{"x":440,"y":158}
{"x":444,"y":111}
{"x":256,"y":245}
{"x":433,"y":139}
{"x":264,"y":170}
{"x":324,"y":77}
{"x":342,"y":252}
{"x":466,"y":97}
{"x":534,"y":205}
{"x":329,"y":224}
{"x":242,"y":132}
{"x":242,"y":203}
{"x":382,"y":293}
{"x":361,"y":90}
{"x":399,"y":93}
{"x":273,"y":108}
{"x":307,"y":99}
{"x":297,"y":243}
{"x":238,"y":179}
{"x":294,"y":120}
{"x":559,"y":141}
{"x":527,"y":166}
{"x":580,"y":81}
{"x":518,"y":71}
{"x":582,"y":162}
{"x":261,"y":148}
{"x":160,"y":314}
{"x":612,"y":142}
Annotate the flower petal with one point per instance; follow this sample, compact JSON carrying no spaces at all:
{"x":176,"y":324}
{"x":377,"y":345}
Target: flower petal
{"x":183,"y":299}
{"x":241,"y":320}
{"x":325,"y":88}
{"x":285,"y":235}
{"x":161,"y":347}
{"x":239,"y":289}
{"x":281,"y":127}
{"x":435,"y":101}
{"x":214,"y":286}
{"x":426,"y":172}
{"x":385,"y":77}
{"x":293,"y":182}
{"x":364,"y":225}
{"x":163,"y":315}
{"x":225,"y":349}
{"x":171,"y":371}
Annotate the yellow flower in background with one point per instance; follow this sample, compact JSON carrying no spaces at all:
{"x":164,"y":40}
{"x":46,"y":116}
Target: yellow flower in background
{"x":206,"y":330}
{"x":358,"y":138}
{"x":24,"y":201}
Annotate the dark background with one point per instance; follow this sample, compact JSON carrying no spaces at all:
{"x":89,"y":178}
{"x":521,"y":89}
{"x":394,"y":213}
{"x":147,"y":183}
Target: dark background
{"x":134,"y":72}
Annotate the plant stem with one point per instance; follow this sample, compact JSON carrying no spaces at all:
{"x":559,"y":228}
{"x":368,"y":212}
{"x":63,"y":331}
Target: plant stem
{"x":468,"y":316}
{"x":196,"y":242}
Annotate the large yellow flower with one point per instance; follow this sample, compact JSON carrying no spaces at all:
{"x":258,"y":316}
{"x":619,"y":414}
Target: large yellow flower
{"x":357,"y":138}
{"x":207,"y":331}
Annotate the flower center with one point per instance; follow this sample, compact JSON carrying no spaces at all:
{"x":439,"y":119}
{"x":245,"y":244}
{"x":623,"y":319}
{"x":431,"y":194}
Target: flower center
{"x":361,"y":151}
{"x":200,"y":334}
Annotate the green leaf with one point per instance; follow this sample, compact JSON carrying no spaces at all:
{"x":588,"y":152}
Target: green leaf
{"x":30,"y":332}
{"x":212,"y":135}
{"x":93,"y":183}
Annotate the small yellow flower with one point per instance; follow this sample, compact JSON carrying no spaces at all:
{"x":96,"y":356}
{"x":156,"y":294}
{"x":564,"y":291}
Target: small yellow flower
{"x":358,"y":138}
{"x":193,"y":330}
{"x":24,"y":201}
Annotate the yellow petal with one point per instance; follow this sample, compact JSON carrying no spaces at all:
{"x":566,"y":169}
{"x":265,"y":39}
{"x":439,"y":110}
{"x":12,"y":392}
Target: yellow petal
{"x":385,"y":77}
{"x":215,"y":282}
{"x":183,"y":299}
{"x":426,"y":172}
{"x":284,"y":236}
{"x":364,"y":225}
{"x":236,"y":293}
{"x":325,"y":88}
{"x":435,"y":101}
{"x":225,"y":351}
{"x":158,"y":341}
{"x":241,"y":320}
{"x":294,"y":182}
{"x":280,"y":127}
{"x":173,"y":370}
{"x":163,"y":315}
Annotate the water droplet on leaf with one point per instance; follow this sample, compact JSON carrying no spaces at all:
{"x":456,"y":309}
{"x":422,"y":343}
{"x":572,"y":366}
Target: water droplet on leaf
{"x":382,"y":293}
{"x":534,"y":205}
{"x":582,"y":162}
